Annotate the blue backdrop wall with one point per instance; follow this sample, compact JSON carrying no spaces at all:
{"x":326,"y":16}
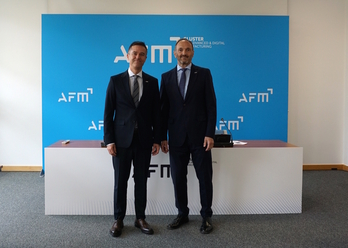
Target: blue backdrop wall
{"x":247,"y":55}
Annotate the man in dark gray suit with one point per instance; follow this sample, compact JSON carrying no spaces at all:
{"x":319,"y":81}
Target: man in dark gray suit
{"x":188,"y":111}
{"x":132,"y":133}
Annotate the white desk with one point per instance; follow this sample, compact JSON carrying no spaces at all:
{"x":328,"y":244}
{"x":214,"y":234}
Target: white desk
{"x":262,"y":177}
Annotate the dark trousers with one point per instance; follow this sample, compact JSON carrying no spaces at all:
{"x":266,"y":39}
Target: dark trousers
{"x":122,"y":166}
{"x":202,"y":162}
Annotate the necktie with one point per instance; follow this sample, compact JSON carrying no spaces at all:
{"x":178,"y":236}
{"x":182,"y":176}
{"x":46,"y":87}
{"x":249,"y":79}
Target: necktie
{"x":182,"y":82}
{"x":136,"y":91}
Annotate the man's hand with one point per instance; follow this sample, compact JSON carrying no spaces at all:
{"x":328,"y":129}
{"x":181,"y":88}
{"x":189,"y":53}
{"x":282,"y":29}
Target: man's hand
{"x":164,"y":146}
{"x":111,"y":149}
{"x":155,"y":149}
{"x":208,"y":143}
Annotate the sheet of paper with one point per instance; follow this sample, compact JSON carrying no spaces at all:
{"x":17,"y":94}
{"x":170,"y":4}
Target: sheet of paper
{"x":237,"y":142}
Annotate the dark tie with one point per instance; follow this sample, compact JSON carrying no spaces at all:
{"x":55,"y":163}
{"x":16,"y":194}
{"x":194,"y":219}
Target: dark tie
{"x":182,"y":82}
{"x":136,"y":91}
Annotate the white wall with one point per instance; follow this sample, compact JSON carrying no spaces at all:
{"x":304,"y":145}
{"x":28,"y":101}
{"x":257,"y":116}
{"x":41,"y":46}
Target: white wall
{"x":317,"y":56}
{"x":225,"y":7}
{"x":345,"y":146}
{"x":20,"y":82}
{"x":316,"y":79}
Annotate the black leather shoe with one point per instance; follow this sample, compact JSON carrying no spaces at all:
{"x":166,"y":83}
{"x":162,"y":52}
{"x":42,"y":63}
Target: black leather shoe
{"x":206,"y":226}
{"x":178,"y":221}
{"x":144,"y":226}
{"x":116,"y":228}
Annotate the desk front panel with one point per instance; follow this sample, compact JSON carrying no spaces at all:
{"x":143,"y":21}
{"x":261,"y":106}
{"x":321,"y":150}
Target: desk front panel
{"x":246,"y":180}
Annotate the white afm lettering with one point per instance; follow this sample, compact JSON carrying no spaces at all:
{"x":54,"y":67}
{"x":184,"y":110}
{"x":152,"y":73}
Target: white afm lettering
{"x":261,"y":97}
{"x":81,"y":96}
{"x":162,"y":50}
{"x":154,"y":48}
{"x":95,"y":128}
{"x":231,"y":125}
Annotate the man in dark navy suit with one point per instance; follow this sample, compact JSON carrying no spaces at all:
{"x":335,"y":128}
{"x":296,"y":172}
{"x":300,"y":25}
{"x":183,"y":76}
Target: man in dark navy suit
{"x":188,"y":111}
{"x":132,"y":133}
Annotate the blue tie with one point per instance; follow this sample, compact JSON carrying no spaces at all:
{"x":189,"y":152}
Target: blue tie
{"x":136,"y":91}
{"x":182,"y":82}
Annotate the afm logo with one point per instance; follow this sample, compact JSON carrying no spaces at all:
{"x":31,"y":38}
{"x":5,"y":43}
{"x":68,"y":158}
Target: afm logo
{"x":230,"y":124}
{"x":79,"y":96}
{"x":164,"y":170}
{"x":261,"y":96}
{"x":162,"y":49}
{"x":95,"y":127}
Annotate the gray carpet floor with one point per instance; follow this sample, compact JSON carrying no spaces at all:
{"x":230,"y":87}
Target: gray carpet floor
{"x":323,"y":222}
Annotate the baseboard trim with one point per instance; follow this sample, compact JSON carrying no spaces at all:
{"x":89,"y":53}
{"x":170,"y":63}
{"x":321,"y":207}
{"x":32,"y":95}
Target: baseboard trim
{"x":20,"y":168}
{"x":309,"y":167}
{"x":306,"y":167}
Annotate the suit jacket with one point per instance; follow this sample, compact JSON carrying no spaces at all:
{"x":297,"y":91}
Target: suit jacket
{"x":121,"y":115}
{"x":195,"y":116}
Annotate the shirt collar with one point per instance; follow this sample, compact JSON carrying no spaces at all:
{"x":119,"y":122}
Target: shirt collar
{"x":131,"y":74}
{"x":178,"y":67}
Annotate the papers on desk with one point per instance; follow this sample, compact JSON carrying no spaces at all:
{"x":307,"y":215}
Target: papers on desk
{"x":237,"y":142}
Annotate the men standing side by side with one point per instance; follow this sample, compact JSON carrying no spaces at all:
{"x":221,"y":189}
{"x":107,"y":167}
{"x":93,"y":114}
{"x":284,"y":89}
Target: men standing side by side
{"x":132,"y":134}
{"x":188,"y":112}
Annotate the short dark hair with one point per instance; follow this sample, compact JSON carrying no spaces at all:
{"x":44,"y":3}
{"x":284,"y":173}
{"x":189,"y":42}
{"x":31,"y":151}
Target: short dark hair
{"x":181,"y":39}
{"x":137,"y":43}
